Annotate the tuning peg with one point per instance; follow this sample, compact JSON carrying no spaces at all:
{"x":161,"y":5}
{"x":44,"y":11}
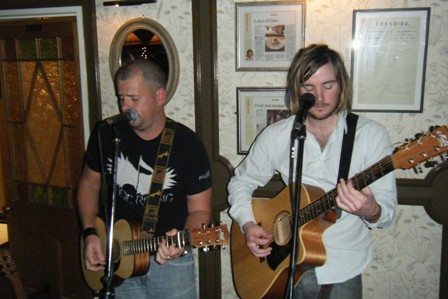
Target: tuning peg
{"x":430,"y":164}
{"x":433,"y":128}
{"x":444,"y":157}
{"x":418,"y":169}
{"x":418,"y":135}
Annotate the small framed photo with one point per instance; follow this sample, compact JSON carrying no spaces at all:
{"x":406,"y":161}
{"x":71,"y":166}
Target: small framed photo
{"x":268,"y":34}
{"x":389,"y":59}
{"x":258,"y":108}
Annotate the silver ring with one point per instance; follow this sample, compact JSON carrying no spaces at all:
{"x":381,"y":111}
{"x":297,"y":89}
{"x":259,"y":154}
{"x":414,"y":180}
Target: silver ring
{"x":168,"y":257}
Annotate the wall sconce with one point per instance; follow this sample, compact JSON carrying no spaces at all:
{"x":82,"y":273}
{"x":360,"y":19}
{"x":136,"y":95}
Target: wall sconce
{"x":127,"y":2}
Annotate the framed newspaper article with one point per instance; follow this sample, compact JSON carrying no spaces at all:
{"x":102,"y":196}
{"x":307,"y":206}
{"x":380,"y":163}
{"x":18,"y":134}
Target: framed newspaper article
{"x":258,"y":108}
{"x":268,"y":34}
{"x":389,"y":49}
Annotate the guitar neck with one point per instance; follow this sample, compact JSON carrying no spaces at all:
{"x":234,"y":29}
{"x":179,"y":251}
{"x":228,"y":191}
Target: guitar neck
{"x":144,"y":245}
{"x":360,"y":181}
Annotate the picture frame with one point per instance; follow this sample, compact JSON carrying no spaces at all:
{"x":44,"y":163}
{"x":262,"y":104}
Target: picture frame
{"x":268,"y":34}
{"x":388,"y":63}
{"x":258,"y":108}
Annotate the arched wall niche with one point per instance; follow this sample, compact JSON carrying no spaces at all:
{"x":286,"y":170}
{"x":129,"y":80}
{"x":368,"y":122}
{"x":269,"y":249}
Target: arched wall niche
{"x":143,"y":37}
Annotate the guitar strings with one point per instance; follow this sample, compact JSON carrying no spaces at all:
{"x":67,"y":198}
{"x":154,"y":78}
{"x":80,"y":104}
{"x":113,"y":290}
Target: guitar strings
{"x":282,"y":226}
{"x":205,"y":238}
{"x":131,"y":247}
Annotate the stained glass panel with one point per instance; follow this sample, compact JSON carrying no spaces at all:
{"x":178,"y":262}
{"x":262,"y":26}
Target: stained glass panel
{"x":19,"y":157}
{"x":22,"y":191}
{"x":27,"y":69}
{"x":44,"y":109}
{"x":72,"y":103}
{"x":34,"y":163}
{"x":59,"y":174}
{"x":38,"y":194}
{"x":51,"y":72}
{"x":44,"y":125}
{"x":27,"y":49}
{"x":59,"y":197}
{"x":49,"y":48}
{"x":74,"y":140}
{"x":16,"y":105}
{"x":68,"y":49}
{"x":10,"y":50}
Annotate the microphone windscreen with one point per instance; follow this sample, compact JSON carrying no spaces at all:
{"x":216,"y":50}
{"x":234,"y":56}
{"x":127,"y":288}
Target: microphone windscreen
{"x":131,"y":114}
{"x":307,"y":100}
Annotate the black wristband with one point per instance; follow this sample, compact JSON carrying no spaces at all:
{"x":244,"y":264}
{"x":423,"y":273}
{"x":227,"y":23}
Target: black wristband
{"x":88,"y":232}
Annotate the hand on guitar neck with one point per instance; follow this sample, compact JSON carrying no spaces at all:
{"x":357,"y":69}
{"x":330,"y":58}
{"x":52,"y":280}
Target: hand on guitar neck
{"x":358,"y":202}
{"x":168,"y":252}
{"x":131,"y":251}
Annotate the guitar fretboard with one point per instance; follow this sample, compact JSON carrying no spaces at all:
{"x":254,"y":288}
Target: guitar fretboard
{"x":360,"y":180}
{"x":130,"y":247}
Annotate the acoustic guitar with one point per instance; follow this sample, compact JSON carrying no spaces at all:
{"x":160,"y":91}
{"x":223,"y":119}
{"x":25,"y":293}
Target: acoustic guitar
{"x":9,"y":270}
{"x":267,"y":277}
{"x":131,"y":254}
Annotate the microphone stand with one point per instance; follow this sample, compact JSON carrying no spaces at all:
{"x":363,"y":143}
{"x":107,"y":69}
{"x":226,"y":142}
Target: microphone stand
{"x":108,"y":289}
{"x":299,"y":134}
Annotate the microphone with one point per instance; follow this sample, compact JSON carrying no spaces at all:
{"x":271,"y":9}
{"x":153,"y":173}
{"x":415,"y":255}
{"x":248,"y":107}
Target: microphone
{"x":306,"y":101}
{"x":129,"y":115}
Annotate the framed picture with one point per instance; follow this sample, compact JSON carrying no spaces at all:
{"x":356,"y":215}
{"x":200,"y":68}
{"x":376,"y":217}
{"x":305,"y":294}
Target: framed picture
{"x":389,"y":59}
{"x":268,"y":34}
{"x":258,"y":108}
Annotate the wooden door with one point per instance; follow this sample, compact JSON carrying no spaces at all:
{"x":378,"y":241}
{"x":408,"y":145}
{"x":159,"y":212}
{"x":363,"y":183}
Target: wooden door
{"x":42,"y":147}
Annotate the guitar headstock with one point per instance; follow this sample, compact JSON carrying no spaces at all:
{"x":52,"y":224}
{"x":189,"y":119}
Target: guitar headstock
{"x":8,"y":269}
{"x":424,"y":147}
{"x":7,"y":265}
{"x":212,"y":237}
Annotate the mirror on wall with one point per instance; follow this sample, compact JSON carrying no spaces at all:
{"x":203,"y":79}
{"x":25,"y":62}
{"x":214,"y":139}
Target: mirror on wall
{"x":145,"y":38}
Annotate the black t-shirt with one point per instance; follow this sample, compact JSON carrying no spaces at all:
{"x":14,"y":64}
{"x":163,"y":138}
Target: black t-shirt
{"x":188,"y":172}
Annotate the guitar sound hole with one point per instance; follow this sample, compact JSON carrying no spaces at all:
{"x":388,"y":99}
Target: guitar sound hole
{"x":282,"y":229}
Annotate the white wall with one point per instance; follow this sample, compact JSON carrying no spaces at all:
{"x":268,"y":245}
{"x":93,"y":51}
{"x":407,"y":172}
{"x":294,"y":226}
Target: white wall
{"x":407,"y":263}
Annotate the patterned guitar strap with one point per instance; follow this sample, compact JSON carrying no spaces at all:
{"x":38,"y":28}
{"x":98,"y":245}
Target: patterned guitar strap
{"x":344,"y":167}
{"x":158,"y":177}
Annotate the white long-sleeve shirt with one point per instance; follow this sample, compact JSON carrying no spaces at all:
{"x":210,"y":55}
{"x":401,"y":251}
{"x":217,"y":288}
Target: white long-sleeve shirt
{"x":347,"y":242}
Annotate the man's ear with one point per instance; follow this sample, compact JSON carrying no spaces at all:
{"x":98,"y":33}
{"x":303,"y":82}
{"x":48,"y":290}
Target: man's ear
{"x":161,"y":95}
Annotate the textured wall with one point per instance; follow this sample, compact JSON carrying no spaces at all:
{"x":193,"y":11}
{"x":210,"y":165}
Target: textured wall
{"x":407,"y":263}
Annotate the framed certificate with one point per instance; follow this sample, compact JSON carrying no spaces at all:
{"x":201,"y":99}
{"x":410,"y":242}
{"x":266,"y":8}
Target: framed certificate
{"x":389,"y":59}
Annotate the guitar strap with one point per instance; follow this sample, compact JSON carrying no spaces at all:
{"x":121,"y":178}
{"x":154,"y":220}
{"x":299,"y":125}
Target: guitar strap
{"x":158,"y":177}
{"x":344,"y":167}
{"x":346,"y":151}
